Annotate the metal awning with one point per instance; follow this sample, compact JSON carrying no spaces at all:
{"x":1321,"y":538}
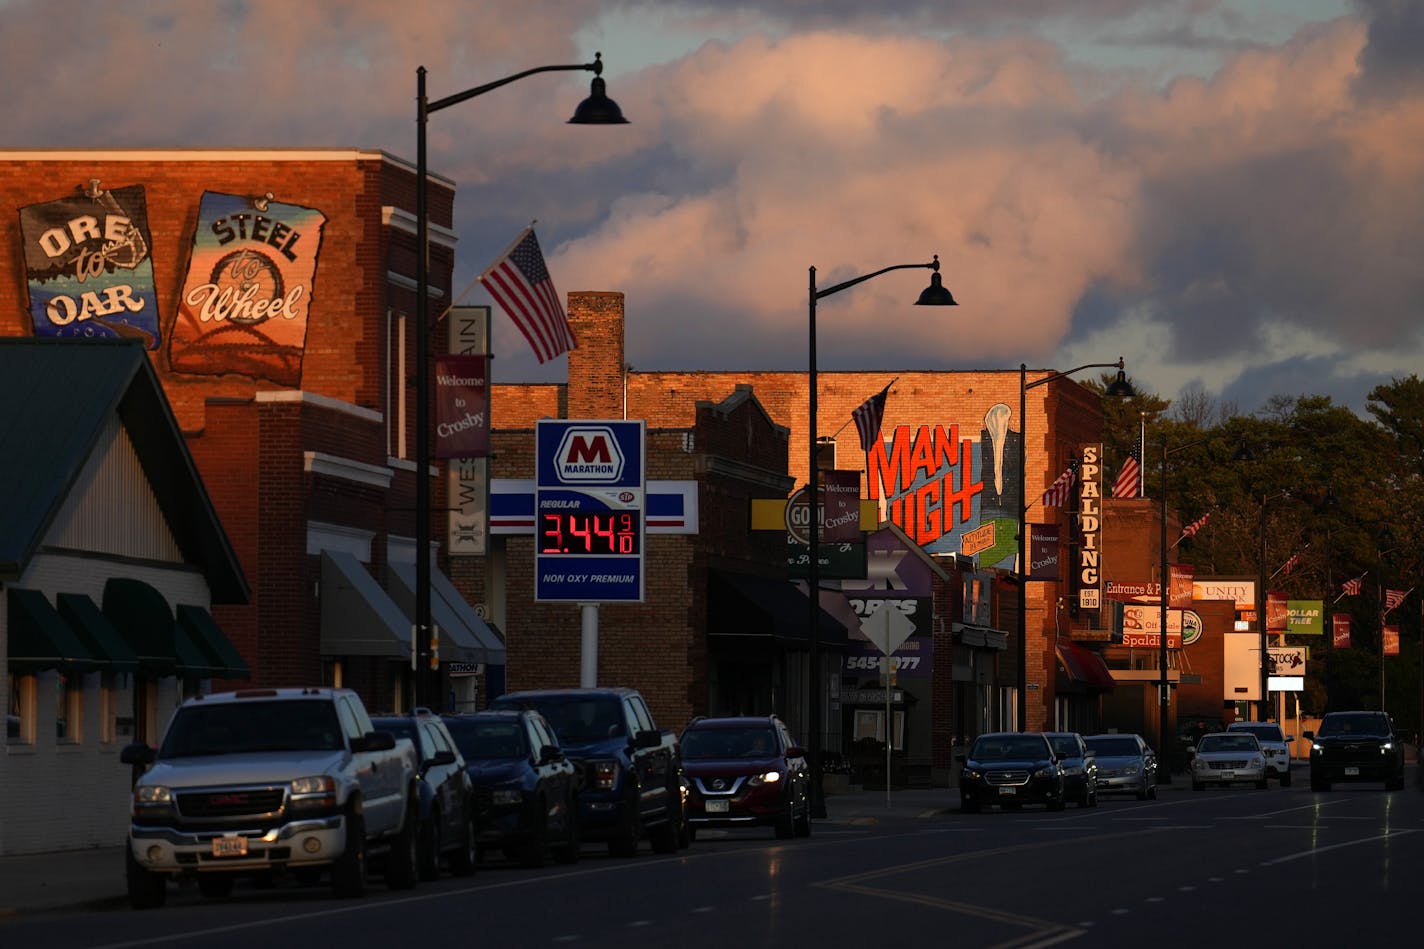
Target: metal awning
{"x":464,"y":635}
{"x":204,"y":630}
{"x":985,"y":637}
{"x":39,"y":638}
{"x":747,"y":605}
{"x":91,"y":625}
{"x":1084,"y":666}
{"x":357,"y":617}
{"x":142,"y":616}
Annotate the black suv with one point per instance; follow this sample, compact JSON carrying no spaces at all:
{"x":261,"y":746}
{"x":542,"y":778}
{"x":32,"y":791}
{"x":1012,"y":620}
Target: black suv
{"x":447,"y":827}
{"x":1355,"y":746}
{"x":746,"y":771}
{"x":526,"y":788}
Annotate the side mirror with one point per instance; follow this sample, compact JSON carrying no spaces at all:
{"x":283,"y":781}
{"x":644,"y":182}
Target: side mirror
{"x":440,"y":759}
{"x":1289,"y":739}
{"x":647,"y":738}
{"x":137,"y":753}
{"x":795,"y":751}
{"x":550,"y":753}
{"x":1308,"y":735}
{"x":374,"y":741}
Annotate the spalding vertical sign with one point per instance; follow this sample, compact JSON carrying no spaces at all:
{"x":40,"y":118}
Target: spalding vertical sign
{"x":1090,"y":526}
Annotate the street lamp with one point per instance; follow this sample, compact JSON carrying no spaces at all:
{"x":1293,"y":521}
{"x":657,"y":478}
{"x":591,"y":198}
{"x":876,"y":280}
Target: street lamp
{"x":1164,"y":695}
{"x":934,"y":295}
{"x":1119,"y":388}
{"x":1244,"y":453}
{"x":597,"y":109}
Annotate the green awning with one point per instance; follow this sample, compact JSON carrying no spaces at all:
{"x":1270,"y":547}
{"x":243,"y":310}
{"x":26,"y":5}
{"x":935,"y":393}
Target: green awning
{"x":141,"y":615}
{"x":39,"y":638}
{"x":204,"y":630}
{"x":96,"y":632}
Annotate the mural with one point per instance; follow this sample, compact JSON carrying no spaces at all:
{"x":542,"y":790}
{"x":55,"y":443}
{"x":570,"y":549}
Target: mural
{"x":938,"y":486}
{"x":897,"y":582}
{"x":244,"y":304}
{"x":88,"y":268}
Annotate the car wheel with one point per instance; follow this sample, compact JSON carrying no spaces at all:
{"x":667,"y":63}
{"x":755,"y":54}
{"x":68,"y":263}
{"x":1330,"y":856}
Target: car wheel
{"x":1086,"y":800}
{"x":464,"y":860}
{"x":429,"y":848}
{"x":786,"y":822}
{"x":348,"y":874}
{"x":569,"y":851}
{"x":534,"y":853}
{"x":664,"y":836}
{"x":691,"y":833}
{"x":625,"y":842}
{"x":403,"y":861}
{"x":803,"y":821}
{"x":147,"y":890}
{"x":1142,"y":792}
{"x":215,"y":886}
{"x":968,"y":805}
{"x":1057,"y":803}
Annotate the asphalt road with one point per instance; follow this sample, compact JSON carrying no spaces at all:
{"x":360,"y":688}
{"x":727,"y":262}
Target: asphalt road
{"x":1284,"y":866}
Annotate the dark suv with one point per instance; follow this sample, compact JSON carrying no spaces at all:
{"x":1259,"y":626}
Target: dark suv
{"x":446,"y":828}
{"x":746,"y":771}
{"x":1355,"y":746}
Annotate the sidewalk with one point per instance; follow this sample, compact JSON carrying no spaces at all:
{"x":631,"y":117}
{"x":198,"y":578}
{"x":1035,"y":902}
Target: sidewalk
{"x":94,"y":878}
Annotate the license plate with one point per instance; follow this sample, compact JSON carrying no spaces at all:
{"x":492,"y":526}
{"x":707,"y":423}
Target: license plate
{"x":1227,"y":775}
{"x":1352,"y":772}
{"x":716,"y":807}
{"x":1008,"y":791}
{"x":229,"y":846}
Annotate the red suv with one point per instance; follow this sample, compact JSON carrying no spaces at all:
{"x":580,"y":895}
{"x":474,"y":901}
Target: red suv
{"x":746,"y":771}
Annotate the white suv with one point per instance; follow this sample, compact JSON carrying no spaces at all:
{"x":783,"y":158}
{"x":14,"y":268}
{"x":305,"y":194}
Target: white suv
{"x":1274,"y":745}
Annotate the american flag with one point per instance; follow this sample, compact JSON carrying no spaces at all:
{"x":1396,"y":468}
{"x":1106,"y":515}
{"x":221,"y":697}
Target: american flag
{"x":1129,"y":477}
{"x":1290,"y":564}
{"x":1191,"y":529}
{"x":1058,"y":492}
{"x":867,"y":418}
{"x":1393,"y":598}
{"x":520,"y":283}
{"x":1351,"y":587}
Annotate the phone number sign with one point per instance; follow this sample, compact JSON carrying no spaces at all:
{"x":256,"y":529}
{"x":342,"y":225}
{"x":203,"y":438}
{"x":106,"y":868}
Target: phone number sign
{"x":589,"y":509}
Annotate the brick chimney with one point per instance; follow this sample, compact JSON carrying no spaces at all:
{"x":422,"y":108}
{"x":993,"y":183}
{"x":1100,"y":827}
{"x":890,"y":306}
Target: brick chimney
{"x":596,"y":366}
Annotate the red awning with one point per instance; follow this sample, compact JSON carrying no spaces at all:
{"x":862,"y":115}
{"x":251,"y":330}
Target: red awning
{"x":1084,"y":666}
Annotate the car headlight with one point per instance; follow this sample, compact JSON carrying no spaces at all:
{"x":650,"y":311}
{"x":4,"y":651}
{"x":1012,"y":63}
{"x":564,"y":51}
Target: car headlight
{"x":766,"y":777}
{"x":317,"y":791}
{"x":1258,"y":762}
{"x":1130,"y":769}
{"x":1317,"y":749}
{"x":1048,"y":772}
{"x":972,"y":774}
{"x":1386,"y":748}
{"x":152,"y":801}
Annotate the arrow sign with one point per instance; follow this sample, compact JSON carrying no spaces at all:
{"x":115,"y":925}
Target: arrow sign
{"x":887,"y":627}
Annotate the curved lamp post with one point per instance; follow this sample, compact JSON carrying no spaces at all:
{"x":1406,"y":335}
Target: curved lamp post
{"x":934,"y":295}
{"x":597,"y":109}
{"x":1119,"y":388}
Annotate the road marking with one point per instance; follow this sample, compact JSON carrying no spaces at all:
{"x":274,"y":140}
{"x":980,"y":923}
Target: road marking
{"x":1348,"y":843}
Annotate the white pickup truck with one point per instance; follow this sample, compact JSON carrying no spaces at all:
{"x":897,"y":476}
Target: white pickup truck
{"x":269,"y":781}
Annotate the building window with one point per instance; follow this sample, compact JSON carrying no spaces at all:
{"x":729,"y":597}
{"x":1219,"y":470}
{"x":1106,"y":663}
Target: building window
{"x":68,"y":709}
{"x":20,"y":718}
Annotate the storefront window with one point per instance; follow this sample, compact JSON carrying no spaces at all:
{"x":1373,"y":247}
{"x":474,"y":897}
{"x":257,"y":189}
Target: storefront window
{"x":20,"y":717}
{"x":68,"y":708}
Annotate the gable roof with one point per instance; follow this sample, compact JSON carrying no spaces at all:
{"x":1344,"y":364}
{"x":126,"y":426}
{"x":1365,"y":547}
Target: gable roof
{"x":57,"y":396}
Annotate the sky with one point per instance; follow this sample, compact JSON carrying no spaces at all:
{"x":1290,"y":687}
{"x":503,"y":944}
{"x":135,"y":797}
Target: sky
{"x":1229,"y":194}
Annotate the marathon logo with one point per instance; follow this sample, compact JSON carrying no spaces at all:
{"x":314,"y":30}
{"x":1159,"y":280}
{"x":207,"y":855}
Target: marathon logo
{"x":589,"y":455}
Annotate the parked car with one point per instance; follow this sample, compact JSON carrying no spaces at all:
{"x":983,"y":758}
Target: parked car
{"x":1228,"y":758}
{"x":746,"y":771}
{"x":1010,"y":769}
{"x":446,"y":830}
{"x":1355,"y":746}
{"x":1126,"y":764}
{"x":1275,"y":745}
{"x":525,"y":787}
{"x":1080,"y":767}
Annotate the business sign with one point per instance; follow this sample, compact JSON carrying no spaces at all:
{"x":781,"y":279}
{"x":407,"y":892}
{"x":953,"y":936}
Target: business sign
{"x":461,"y":406}
{"x":839,"y":510}
{"x":1391,"y":641}
{"x":467,"y":481}
{"x":1285,"y":669}
{"x":1305,"y":617}
{"x":89,"y":266}
{"x":893,"y":604}
{"x":1090,"y":578}
{"x":589,"y":510}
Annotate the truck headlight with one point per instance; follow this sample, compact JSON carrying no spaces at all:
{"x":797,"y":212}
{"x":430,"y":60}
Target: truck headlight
{"x":313,"y":793}
{"x":150,"y":801}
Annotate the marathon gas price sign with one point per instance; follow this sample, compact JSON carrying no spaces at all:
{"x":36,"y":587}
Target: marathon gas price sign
{"x":589,"y":511}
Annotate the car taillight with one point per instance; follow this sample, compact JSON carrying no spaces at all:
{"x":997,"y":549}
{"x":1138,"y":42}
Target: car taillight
{"x":603,"y":775}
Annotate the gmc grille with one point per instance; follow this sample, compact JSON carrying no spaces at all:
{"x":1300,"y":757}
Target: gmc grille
{"x":231,"y":802}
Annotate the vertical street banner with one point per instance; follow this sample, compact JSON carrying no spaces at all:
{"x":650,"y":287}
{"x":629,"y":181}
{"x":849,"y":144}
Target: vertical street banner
{"x":247,"y":294}
{"x":1277,"y":612}
{"x":840,"y":507}
{"x":1043,"y":551}
{"x":1391,"y":640}
{"x":88,"y":267}
{"x":467,"y":479}
{"x":1340,"y":631}
{"x":1181,"y":580}
{"x":461,"y":407}
{"x":1090,"y":497}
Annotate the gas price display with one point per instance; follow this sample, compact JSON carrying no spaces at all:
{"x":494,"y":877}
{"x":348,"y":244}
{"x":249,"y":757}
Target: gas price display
{"x":589,"y":532}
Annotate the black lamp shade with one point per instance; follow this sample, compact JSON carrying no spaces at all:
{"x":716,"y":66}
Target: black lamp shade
{"x":598,"y":109}
{"x":936,"y":294}
{"x":1120,"y":388}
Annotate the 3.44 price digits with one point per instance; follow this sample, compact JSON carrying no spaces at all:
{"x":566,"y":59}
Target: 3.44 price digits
{"x":587,"y":532}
